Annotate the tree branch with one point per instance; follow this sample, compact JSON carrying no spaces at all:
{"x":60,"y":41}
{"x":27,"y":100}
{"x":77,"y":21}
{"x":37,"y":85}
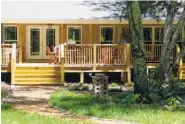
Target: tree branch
{"x":178,"y":58}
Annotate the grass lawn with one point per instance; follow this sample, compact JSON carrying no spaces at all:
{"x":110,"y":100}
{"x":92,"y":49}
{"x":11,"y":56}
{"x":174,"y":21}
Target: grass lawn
{"x":85,"y":104}
{"x":11,"y":116}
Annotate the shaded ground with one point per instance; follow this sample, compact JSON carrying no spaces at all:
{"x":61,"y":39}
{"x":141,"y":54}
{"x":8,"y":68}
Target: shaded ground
{"x":35,"y":99}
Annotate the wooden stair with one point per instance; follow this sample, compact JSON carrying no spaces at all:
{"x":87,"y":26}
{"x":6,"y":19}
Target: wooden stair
{"x":37,"y":74}
{"x":182,"y":72}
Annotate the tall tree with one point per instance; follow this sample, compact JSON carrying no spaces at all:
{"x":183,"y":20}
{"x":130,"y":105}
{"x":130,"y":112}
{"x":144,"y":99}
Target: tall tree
{"x":170,"y":38}
{"x":137,"y":46}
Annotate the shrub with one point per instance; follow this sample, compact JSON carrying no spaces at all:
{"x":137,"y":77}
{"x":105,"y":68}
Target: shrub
{"x":175,"y":103}
{"x":129,"y":84}
{"x":78,"y":87}
{"x":113,"y":84}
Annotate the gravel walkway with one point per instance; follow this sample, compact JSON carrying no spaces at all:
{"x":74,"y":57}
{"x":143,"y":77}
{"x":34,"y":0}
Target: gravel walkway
{"x":35,"y":99}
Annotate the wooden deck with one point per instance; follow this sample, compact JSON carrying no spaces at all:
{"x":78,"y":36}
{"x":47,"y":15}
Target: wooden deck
{"x":79,"y":58}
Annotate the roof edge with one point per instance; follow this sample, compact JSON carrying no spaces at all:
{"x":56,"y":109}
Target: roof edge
{"x":77,"y":21}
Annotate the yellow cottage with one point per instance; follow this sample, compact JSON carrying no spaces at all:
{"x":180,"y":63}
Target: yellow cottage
{"x":82,"y":46}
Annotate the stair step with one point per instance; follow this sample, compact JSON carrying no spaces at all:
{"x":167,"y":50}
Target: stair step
{"x":37,"y":81}
{"x":25,"y":83}
{"x":37,"y":72}
{"x":26,"y":74}
{"x":36,"y":76}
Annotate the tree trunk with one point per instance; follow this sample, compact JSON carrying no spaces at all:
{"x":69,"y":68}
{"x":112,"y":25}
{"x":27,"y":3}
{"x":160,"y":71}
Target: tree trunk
{"x":169,"y":41}
{"x":137,"y":47}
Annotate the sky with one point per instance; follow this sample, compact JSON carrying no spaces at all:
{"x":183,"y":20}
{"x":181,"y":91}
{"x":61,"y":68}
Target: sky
{"x":52,"y":10}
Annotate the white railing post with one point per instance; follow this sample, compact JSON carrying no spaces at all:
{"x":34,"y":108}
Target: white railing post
{"x":62,"y":60}
{"x":13,"y":63}
{"x":94,"y":54}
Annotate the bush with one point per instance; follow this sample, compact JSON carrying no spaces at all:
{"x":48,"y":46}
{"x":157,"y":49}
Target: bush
{"x":167,"y":94}
{"x":78,"y":87}
{"x":129,"y":84}
{"x":113,"y":84}
{"x":175,"y":103}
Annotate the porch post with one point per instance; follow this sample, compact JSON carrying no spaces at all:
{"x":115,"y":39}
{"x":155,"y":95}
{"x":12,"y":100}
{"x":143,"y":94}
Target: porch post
{"x":62,"y":64}
{"x":94,"y":54}
{"x":90,"y":33}
{"x":129,"y":76}
{"x":81,"y":77}
{"x":20,"y":42}
{"x":13,"y":63}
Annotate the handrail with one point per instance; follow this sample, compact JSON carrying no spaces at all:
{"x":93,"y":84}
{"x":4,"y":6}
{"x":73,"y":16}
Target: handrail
{"x":180,"y":63}
{"x":153,"y":55}
{"x":13,"y":63}
{"x":6,"y":54}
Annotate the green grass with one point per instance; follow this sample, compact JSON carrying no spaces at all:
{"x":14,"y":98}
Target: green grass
{"x":86,"y":105}
{"x":9,"y":115}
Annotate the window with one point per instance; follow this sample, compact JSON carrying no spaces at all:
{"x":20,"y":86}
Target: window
{"x":147,"y":32}
{"x":106,"y":35}
{"x":74,"y":34}
{"x":10,"y":34}
{"x":159,"y":34}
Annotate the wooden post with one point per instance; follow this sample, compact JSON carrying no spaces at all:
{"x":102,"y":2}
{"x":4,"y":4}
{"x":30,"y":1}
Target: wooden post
{"x":62,"y":33}
{"x":153,"y":39}
{"x":13,"y":63}
{"x":94,"y":53}
{"x":81,"y":77}
{"x":90,"y":33}
{"x":128,"y":76}
{"x":128,"y":61}
{"x":62,"y":61}
{"x":20,"y":42}
{"x":128,"y":56}
{"x":119,"y":33}
{"x":180,"y":64}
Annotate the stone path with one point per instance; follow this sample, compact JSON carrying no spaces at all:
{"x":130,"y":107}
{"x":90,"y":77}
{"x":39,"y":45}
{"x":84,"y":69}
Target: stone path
{"x":35,"y":99}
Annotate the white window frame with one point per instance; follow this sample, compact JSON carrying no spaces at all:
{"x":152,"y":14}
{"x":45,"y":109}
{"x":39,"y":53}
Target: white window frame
{"x":74,"y":27}
{"x":4,"y":40}
{"x":113,"y":27}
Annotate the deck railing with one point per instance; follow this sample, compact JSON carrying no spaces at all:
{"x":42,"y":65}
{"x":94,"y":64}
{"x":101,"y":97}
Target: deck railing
{"x":95,"y":54}
{"x":153,"y":53}
{"x":78,"y":54}
{"x":6,"y":50}
{"x":111,"y":54}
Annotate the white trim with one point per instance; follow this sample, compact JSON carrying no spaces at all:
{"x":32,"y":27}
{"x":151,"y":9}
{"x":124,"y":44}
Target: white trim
{"x":3,"y":37}
{"x":113,"y":38}
{"x":28,"y":52}
{"x":80,"y":32}
{"x":45,"y":27}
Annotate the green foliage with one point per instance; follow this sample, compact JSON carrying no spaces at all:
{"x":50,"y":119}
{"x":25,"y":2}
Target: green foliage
{"x":130,"y":99}
{"x":167,"y":94}
{"x":78,"y":87}
{"x":12,"y":116}
{"x":5,"y":106}
{"x":129,"y":84}
{"x":3,"y":95}
{"x":114,"y":84}
{"x":85,"y":104}
{"x":175,"y":103}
